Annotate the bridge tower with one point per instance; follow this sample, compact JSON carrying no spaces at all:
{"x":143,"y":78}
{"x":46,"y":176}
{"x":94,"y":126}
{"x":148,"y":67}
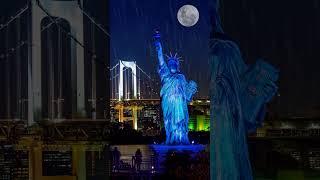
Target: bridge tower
{"x":70,"y":12}
{"x":133,"y":66}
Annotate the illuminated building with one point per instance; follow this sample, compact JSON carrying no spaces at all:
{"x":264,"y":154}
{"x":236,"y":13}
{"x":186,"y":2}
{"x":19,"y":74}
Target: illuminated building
{"x":149,"y":113}
{"x":199,"y":123}
{"x":136,"y":112}
{"x":199,"y":115}
{"x":65,"y":151}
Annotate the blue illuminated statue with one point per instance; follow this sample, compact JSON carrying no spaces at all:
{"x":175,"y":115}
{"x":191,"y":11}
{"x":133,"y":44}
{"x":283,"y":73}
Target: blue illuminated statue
{"x":175,"y":93}
{"x":238,"y":96}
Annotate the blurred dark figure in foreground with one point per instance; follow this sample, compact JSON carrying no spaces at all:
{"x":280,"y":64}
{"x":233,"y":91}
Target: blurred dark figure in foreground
{"x":138,"y":159}
{"x":116,"y":159}
{"x":238,"y":94}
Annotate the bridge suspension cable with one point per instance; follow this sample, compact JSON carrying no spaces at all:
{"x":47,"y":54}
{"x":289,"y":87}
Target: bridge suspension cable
{"x":54,"y":20}
{"x":12,"y":51}
{"x":124,"y":69}
{"x":49,"y":25}
{"x":18,"y":14}
{"x":93,"y":21}
{"x":152,"y":80}
{"x":114,"y":67}
{"x":144,"y":72}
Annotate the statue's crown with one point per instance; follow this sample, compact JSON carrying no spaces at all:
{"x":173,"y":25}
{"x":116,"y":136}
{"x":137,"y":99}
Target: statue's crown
{"x":173,"y":61}
{"x":173,"y":57}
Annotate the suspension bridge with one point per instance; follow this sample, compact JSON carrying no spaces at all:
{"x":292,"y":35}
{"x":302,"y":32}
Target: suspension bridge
{"x":50,"y":63}
{"x":51,"y":73}
{"x":131,"y":90}
{"x":130,"y":82}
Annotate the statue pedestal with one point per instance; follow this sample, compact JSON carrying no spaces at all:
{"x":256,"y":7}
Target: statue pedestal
{"x":162,"y":151}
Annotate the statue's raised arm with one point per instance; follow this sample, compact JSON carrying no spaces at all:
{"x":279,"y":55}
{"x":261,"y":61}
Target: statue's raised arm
{"x":163,"y":68}
{"x":157,"y":43}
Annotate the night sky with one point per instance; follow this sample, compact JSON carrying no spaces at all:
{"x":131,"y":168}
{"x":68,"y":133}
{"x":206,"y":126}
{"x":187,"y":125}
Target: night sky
{"x":133,"y":23}
{"x":284,"y":33}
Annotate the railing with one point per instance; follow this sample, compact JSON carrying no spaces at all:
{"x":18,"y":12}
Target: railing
{"x":146,"y":165}
{"x":289,"y":133}
{"x":130,"y":166}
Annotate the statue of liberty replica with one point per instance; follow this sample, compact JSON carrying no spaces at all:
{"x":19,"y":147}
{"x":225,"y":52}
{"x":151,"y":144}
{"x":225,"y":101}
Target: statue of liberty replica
{"x":238,"y":97}
{"x":175,"y":94}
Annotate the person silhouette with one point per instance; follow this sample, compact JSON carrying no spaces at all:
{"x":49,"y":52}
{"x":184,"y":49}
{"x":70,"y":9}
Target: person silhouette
{"x":116,"y":158}
{"x":138,"y":159}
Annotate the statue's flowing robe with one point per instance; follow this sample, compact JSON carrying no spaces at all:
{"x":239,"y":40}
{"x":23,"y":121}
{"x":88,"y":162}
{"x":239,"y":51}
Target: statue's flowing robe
{"x":174,"y":98}
{"x":238,"y":95}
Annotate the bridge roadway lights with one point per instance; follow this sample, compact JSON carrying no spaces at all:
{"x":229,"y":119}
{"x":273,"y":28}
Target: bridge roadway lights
{"x":35,"y":149}
{"x":120,"y":107}
{"x":34,"y":141}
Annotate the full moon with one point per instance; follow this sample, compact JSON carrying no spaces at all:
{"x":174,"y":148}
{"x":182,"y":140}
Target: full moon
{"x":188,"y":15}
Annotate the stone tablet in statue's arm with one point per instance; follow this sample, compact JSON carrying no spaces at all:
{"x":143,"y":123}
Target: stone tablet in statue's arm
{"x":191,"y":89}
{"x":257,"y":88}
